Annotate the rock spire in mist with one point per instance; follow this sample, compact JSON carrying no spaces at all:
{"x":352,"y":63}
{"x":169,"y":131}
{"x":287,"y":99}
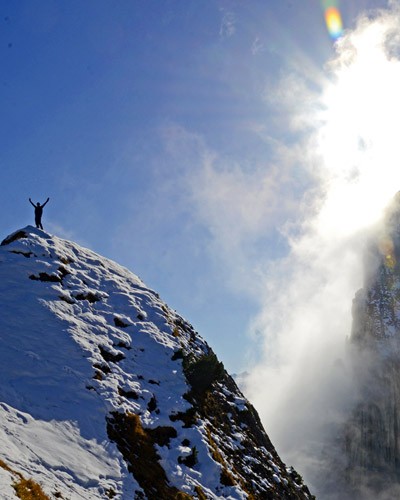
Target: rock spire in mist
{"x":105,"y":392}
{"x":372,"y":436}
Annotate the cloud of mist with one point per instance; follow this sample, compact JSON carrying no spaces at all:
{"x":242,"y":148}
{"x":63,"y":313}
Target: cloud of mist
{"x":228,"y":24}
{"x":235,"y":203}
{"x":303,"y":385}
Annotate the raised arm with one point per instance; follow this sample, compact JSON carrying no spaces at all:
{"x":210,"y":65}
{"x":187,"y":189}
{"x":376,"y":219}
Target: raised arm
{"x":45,"y":202}
{"x":31,"y":202}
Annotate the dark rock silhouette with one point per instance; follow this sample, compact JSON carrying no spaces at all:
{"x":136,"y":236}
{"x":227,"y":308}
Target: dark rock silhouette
{"x":371,"y":439}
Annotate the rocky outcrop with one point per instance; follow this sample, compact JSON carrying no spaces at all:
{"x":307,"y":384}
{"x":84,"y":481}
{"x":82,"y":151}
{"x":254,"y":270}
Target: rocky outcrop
{"x":372,"y":434}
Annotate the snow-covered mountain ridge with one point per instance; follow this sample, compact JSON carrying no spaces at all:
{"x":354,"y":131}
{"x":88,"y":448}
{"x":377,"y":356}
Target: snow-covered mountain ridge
{"x":105,"y":392}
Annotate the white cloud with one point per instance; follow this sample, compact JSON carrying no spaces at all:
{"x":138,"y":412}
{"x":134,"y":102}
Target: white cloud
{"x":228,"y":24}
{"x":239,"y":204}
{"x":257,"y":46}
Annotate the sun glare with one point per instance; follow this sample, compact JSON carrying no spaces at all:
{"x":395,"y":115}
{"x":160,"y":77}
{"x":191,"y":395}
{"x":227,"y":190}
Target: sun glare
{"x":359,"y":139}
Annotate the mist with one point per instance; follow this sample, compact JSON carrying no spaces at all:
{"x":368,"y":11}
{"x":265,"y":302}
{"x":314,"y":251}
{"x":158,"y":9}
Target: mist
{"x":304,"y":386}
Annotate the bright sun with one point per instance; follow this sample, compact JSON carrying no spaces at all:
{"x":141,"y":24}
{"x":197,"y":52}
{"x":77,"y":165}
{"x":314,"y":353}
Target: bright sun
{"x":359,"y":139}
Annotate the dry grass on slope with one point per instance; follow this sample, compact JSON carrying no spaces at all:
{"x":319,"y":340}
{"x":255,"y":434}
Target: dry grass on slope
{"x":25,"y":489}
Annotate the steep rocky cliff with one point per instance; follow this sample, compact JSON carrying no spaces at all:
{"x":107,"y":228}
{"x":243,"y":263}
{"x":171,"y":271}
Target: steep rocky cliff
{"x":372,"y":435}
{"x":105,"y":392}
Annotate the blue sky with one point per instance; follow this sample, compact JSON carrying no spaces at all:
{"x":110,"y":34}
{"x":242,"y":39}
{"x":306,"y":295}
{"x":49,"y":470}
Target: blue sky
{"x":157,"y":130}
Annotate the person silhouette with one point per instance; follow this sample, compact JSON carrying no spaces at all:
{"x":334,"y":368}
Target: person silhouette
{"x":38,"y":212}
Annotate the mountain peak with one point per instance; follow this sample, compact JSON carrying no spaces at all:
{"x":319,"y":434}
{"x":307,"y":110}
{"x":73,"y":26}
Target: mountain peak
{"x":24,"y":233}
{"x":106,"y":392}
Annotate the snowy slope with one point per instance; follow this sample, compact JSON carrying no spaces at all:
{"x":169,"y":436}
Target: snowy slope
{"x":105,"y":392}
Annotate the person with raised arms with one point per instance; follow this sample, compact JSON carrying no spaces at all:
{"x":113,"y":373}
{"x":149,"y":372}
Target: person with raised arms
{"x":38,"y":212}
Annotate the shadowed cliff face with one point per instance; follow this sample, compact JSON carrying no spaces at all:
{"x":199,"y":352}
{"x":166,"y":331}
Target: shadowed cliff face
{"x":372,"y":434}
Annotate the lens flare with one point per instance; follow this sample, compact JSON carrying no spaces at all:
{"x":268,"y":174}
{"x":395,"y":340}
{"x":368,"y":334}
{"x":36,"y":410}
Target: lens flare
{"x":386,"y":248}
{"x":334,"y":23}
